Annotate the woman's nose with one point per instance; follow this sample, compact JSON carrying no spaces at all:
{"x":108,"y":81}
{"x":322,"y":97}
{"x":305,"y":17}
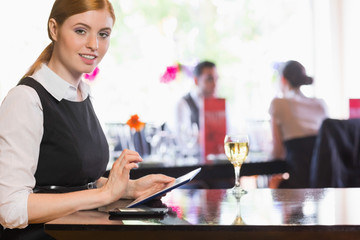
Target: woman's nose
{"x":93,"y":43}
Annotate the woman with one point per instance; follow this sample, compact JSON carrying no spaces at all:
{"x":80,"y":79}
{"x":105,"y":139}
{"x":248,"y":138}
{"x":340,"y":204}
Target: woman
{"x":50,"y":138}
{"x":295,"y":121}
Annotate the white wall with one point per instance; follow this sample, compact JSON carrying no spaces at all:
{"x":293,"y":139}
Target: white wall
{"x":336,"y":51}
{"x":23,"y":37}
{"x":351,"y":58}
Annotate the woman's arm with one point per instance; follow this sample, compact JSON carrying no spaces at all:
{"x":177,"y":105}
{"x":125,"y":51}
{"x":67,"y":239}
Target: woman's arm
{"x":278,"y":150}
{"x":275,"y":111}
{"x":21,"y":130}
{"x":46,"y":207}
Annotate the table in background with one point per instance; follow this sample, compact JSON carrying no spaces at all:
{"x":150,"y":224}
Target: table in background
{"x":214,"y":174}
{"x":217,"y":214}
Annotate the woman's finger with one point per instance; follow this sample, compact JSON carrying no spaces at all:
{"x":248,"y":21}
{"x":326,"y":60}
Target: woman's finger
{"x":126,"y":152}
{"x":129,"y":159}
{"x":130,"y":166}
{"x":160,"y":178}
{"x":128,"y":156}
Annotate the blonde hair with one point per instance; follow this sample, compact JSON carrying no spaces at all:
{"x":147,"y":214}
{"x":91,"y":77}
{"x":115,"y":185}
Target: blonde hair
{"x":62,"y":10}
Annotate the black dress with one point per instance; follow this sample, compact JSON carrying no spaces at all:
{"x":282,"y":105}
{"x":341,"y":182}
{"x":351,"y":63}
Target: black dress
{"x":73,"y":150}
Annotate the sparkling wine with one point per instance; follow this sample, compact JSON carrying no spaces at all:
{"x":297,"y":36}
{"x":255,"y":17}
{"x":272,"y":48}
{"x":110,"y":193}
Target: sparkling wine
{"x":237,"y":152}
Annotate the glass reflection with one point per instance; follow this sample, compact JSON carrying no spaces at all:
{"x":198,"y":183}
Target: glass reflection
{"x":298,"y":207}
{"x":238,"y":220}
{"x":260,"y":207}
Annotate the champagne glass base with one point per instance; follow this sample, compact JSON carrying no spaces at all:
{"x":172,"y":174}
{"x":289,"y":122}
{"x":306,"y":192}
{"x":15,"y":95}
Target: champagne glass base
{"x":237,"y":191}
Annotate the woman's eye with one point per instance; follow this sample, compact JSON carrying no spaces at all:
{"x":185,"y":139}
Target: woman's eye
{"x":104,"y":34}
{"x":80,"y":31}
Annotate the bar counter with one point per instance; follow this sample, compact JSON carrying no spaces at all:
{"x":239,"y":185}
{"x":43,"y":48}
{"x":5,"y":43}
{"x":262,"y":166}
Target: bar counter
{"x":218,"y":214}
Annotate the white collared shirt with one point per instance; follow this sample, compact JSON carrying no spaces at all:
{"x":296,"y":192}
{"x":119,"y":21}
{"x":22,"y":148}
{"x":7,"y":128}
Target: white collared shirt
{"x":183,"y":114}
{"x":21,"y":131}
{"x":58,"y":87}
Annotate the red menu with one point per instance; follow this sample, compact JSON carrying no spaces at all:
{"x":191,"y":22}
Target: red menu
{"x":354,"y":105}
{"x":213,"y":126}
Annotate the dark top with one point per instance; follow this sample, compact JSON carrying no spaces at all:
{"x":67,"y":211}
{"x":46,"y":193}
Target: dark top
{"x":73,"y":150}
{"x":298,"y":158}
{"x":193,"y":108}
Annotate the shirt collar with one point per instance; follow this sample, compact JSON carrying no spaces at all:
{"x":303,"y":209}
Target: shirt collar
{"x":58,"y":87}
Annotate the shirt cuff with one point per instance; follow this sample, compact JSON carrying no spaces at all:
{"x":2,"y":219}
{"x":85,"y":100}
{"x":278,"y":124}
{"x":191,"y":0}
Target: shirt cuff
{"x":14,"y":214}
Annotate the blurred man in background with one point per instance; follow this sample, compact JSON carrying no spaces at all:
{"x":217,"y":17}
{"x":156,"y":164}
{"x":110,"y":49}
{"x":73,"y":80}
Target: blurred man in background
{"x":190,"y":107}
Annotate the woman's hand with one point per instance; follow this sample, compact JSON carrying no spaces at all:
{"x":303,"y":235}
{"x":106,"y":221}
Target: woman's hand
{"x":117,"y":183}
{"x":147,"y":185}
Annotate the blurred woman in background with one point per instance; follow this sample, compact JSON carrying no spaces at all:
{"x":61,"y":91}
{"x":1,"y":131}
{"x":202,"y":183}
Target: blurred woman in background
{"x":295,"y":121}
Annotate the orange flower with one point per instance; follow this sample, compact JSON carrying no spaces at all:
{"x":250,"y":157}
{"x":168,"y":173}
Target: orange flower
{"x":134,"y":123}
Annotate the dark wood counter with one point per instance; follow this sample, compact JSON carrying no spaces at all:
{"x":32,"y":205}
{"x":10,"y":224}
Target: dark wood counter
{"x":217,"y":214}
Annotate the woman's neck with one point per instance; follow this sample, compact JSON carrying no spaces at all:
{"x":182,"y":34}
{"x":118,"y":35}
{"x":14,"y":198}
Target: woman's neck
{"x":292,"y":92}
{"x":73,"y":78}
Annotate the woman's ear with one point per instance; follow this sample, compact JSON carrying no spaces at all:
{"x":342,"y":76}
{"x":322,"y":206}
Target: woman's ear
{"x":53,"y":29}
{"x":284,"y":84}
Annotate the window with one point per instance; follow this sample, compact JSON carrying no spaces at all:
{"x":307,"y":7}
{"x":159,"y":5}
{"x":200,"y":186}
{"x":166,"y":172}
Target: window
{"x":246,"y":38}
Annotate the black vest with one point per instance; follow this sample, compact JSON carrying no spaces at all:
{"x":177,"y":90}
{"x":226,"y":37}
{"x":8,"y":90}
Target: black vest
{"x":195,"y":116}
{"x":73,"y":150}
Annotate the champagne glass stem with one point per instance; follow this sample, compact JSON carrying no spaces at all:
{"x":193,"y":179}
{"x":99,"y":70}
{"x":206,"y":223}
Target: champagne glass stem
{"x":237,"y":176}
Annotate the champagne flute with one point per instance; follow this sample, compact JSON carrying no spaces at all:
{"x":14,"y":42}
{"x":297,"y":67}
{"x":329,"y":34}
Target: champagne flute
{"x":237,"y":150}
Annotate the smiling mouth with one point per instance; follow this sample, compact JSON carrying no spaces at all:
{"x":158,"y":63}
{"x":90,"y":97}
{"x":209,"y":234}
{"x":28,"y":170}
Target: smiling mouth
{"x":90,"y":57}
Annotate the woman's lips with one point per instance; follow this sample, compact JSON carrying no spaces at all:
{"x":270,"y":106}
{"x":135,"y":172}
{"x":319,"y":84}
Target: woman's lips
{"x":88,"y":59}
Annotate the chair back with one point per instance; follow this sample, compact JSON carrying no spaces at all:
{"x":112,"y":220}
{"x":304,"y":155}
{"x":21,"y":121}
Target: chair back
{"x":336,"y":158}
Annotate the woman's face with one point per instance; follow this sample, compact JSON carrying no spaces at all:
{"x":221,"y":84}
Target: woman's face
{"x":81,"y":42}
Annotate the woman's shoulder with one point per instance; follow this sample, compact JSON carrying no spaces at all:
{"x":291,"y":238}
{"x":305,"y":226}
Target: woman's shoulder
{"x":322,"y":106}
{"x":275,"y":102}
{"x":317,"y":101}
{"x":277,"y":105}
{"x":22,"y":94}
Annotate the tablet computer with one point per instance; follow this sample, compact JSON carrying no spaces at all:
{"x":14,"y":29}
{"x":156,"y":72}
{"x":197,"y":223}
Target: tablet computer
{"x":138,"y":212}
{"x":177,"y":183}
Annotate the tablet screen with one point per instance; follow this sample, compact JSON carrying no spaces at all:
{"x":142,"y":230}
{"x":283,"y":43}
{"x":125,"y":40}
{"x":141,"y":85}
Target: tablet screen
{"x":177,"y":183}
